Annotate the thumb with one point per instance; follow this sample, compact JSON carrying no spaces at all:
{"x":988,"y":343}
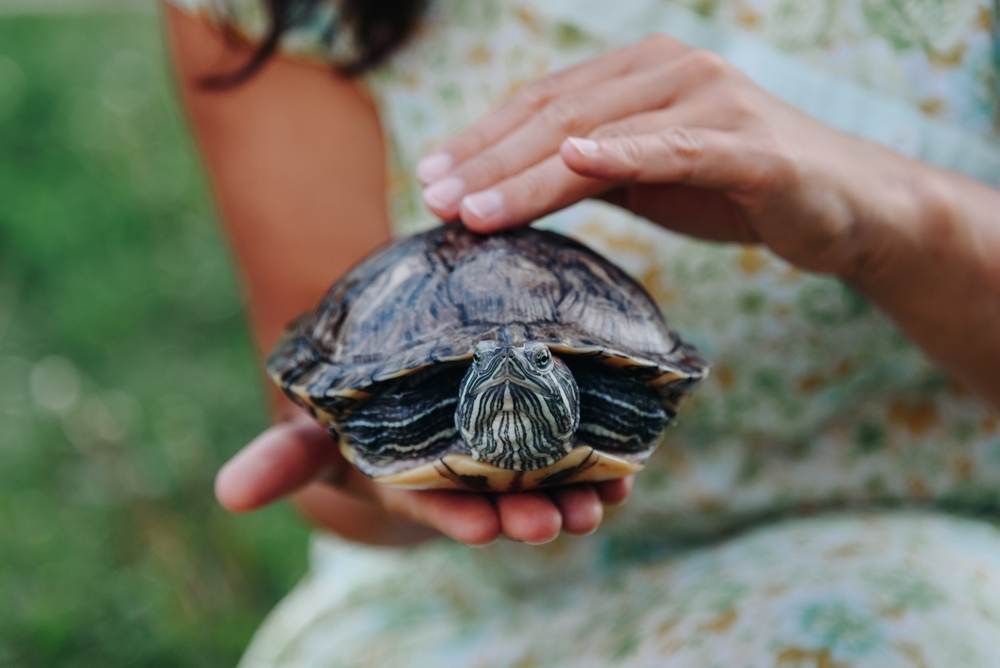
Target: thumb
{"x":275,"y":464}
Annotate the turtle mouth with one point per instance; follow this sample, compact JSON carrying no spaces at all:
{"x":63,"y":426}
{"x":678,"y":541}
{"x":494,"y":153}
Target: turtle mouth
{"x":507,"y":378}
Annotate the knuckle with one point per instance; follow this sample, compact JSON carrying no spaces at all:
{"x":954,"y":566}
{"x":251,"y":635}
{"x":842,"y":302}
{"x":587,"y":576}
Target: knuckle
{"x":632,"y":155}
{"x":472,"y":139}
{"x":705,"y":64}
{"x":657,"y":43}
{"x":685,"y":147}
{"x":779,"y":168}
{"x":741,"y":107}
{"x":538,"y":94}
{"x":610,"y":131}
{"x":533,"y":187}
{"x":489,"y":165}
{"x":623,"y":128}
{"x":565,"y":114}
{"x":683,"y":142}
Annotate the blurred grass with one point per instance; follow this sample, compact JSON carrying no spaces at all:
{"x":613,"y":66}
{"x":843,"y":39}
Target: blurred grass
{"x":126,"y":373}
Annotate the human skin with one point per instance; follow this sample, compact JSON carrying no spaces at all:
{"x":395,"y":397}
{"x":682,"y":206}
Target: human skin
{"x":682,"y":138}
{"x":296,"y":160}
{"x":700,"y":150}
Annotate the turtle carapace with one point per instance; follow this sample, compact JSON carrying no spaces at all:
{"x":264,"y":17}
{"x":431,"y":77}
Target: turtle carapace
{"x":490,"y":363}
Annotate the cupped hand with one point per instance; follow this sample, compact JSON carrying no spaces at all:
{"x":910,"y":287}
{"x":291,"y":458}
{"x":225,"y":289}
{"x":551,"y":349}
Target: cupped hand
{"x":682,"y":138}
{"x":289,"y":456}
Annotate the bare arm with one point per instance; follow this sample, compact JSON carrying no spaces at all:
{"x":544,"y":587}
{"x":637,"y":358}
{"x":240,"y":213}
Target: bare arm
{"x":296,"y":160}
{"x":298,"y":215}
{"x":937,"y":273}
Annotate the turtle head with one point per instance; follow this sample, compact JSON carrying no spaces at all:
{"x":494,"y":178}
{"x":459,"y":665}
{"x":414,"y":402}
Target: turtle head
{"x":518,"y":406}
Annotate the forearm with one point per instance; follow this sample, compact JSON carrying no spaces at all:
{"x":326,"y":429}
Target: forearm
{"x":935,"y":269}
{"x":296,"y":163}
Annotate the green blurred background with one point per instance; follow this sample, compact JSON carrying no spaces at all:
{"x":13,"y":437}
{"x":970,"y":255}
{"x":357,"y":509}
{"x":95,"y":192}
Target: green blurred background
{"x":126,"y":373}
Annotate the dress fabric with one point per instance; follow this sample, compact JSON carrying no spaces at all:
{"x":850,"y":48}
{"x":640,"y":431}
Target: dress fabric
{"x":727,"y":553}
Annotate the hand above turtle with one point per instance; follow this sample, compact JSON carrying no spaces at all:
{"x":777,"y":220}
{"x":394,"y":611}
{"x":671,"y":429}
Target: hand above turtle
{"x":684,"y":139}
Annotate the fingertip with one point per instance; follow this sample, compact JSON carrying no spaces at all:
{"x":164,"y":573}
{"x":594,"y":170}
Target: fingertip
{"x":277,"y":462}
{"x":444,"y":197}
{"x":593,"y":159}
{"x":585,"y":148}
{"x":483,"y":213}
{"x":529,"y":517}
{"x":238,"y":484}
{"x":434,"y":166}
{"x":230,"y":493}
{"x":615,"y":492}
{"x":476,"y":224}
{"x":581,"y":509}
{"x":467,"y":518}
{"x":581,"y":155}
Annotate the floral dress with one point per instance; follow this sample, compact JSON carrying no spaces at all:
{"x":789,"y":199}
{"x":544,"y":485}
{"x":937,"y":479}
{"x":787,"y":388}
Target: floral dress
{"x":824,"y":499}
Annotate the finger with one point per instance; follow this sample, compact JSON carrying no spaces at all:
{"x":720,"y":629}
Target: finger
{"x":546,"y":187}
{"x":580,"y":508}
{"x":356,"y":519}
{"x":615,"y":492}
{"x":530,"y":517}
{"x":692,"y":156}
{"x":650,"y":52}
{"x":276,"y":463}
{"x":650,"y":122}
{"x":704,"y":213}
{"x":573,"y":114}
{"x":468,"y":518}
{"x":551,"y":185}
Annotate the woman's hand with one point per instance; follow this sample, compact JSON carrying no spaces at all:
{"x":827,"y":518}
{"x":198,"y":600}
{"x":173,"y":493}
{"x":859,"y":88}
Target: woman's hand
{"x":291,"y":455}
{"x":684,"y":139}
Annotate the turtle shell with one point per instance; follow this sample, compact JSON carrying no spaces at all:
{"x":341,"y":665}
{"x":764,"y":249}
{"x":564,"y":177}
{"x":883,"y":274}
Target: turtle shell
{"x":425,"y":301}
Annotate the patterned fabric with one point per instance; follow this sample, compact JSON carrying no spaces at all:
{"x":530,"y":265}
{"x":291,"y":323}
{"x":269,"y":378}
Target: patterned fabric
{"x":832,"y":592}
{"x":815,"y":401}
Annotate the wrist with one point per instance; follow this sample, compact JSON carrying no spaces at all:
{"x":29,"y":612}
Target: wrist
{"x":907,"y":232}
{"x":934,"y":272}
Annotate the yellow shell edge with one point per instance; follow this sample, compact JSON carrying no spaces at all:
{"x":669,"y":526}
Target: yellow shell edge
{"x":462,"y":472}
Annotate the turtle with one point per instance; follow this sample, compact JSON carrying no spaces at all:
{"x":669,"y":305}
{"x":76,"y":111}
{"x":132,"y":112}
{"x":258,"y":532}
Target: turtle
{"x":490,"y":363}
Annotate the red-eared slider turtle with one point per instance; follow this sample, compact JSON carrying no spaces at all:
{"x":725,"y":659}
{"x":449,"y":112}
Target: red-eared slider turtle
{"x":488,"y":363}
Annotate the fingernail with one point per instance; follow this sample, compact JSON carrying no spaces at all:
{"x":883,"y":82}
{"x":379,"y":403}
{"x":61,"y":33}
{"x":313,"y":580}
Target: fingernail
{"x":540,"y":542}
{"x":434,"y":167}
{"x":587,"y":147}
{"x":445,"y":193}
{"x":484,"y":205}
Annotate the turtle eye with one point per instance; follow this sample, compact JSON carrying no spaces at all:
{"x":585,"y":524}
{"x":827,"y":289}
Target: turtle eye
{"x":542,"y":358}
{"x":477,"y":357}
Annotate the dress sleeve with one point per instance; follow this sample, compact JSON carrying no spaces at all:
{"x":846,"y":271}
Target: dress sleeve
{"x":315,"y":33}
